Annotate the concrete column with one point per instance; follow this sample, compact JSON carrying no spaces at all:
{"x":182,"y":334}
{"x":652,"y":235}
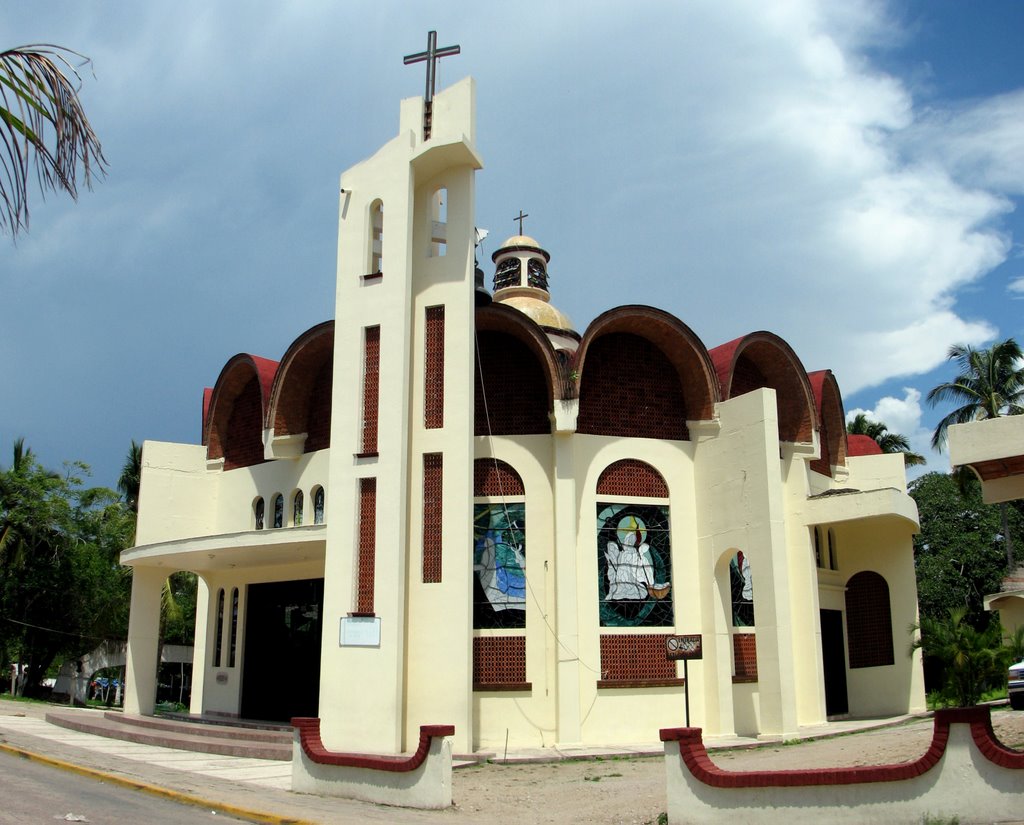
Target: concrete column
{"x":143,"y":639}
{"x":569,"y":726}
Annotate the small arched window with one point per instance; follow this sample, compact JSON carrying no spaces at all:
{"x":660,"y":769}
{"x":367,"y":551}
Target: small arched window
{"x":278,"y":510}
{"x":219,"y":643}
{"x":376,"y":238}
{"x":234,"y":626}
{"x":439,"y":223}
{"x":257,"y":511}
{"x":833,"y":555}
{"x":297,"y":509}
{"x":318,"y":505}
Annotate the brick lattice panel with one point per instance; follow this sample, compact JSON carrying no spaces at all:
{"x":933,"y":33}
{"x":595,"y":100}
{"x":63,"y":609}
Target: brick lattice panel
{"x":433,"y":378}
{"x":499,"y":660}
{"x":367,"y":544}
{"x":433,"y":511}
{"x":631,"y":477}
{"x":517,"y":392}
{"x":371,"y":388}
{"x":869,"y":621}
{"x":744,"y":657}
{"x":493,"y":478}
{"x":243,"y":441}
{"x":746,"y":377}
{"x":833,"y":432}
{"x":629,"y":388}
{"x":318,"y":426}
{"x":635,"y":658}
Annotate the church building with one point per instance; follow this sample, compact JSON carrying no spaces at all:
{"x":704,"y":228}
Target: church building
{"x":449,"y":507}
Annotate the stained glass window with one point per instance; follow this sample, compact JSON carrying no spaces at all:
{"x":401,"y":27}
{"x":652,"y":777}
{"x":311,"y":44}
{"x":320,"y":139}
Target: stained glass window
{"x":499,"y":565}
{"x":634,"y":565}
{"x":258,"y":512}
{"x":297,"y":509}
{"x":742,"y":586}
{"x":318,"y":506}
{"x":279,"y":510}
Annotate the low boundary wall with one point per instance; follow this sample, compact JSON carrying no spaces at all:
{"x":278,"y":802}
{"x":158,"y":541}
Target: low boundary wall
{"x":423,"y":780}
{"x":966,"y":772}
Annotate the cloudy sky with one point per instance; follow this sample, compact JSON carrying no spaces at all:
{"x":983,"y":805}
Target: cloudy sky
{"x":844,"y":174}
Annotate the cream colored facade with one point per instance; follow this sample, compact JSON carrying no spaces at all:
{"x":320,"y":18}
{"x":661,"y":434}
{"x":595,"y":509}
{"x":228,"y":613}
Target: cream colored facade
{"x":440,"y":412}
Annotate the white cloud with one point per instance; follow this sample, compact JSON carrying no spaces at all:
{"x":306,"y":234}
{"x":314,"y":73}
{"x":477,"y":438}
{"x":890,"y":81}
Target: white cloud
{"x":904,"y":416}
{"x":1016,"y":287}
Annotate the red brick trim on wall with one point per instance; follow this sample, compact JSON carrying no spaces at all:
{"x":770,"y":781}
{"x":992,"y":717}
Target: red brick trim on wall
{"x":869,"y":620}
{"x":631,"y":477}
{"x":636,"y":659}
{"x":697,"y":761}
{"x":499,"y":663}
{"x":495,"y":478}
{"x":313,"y":747}
{"x":433,"y":369}
{"x":371,"y":388}
{"x":433,"y":511}
{"x":744,"y":657}
{"x":367,"y":545}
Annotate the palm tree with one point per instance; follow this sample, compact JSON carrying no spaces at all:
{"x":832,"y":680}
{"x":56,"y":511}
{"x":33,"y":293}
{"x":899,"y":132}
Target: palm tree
{"x":131,"y":477}
{"x":989,"y":384}
{"x":889,"y":442}
{"x":973,"y":660}
{"x":37,"y":97}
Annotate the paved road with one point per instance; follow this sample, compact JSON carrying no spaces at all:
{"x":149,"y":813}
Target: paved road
{"x":33,"y":793}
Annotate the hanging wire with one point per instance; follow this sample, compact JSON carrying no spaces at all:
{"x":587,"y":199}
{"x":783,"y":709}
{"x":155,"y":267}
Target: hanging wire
{"x":501,"y":494}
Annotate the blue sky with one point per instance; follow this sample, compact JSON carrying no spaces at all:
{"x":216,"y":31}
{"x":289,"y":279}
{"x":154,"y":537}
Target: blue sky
{"x":846,"y":175}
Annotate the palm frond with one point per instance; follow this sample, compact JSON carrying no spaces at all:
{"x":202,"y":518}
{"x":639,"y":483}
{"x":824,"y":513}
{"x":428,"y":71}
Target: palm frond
{"x":42,"y":124}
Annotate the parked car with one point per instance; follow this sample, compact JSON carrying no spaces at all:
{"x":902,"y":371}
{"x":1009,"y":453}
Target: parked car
{"x":1016,"y":686}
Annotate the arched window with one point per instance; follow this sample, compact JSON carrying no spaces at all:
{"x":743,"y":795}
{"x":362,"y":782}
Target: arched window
{"x":279,"y":510}
{"x":742,"y":586}
{"x":499,"y":546}
{"x":297,"y":509}
{"x":869,"y":620}
{"x":219,"y":643}
{"x":376,"y":238}
{"x":318,"y":505}
{"x":833,"y":555}
{"x":234,"y":626}
{"x":634,"y":560}
{"x":257,"y":512}
{"x":439,"y":223}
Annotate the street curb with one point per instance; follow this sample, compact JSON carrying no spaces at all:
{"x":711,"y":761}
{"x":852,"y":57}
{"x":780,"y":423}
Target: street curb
{"x":155,"y":790}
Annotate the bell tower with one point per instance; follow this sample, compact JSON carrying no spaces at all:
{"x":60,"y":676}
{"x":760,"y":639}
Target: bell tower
{"x":399,"y":511}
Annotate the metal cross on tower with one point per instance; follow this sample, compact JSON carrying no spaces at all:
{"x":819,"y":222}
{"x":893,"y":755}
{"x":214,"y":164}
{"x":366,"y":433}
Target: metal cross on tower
{"x":520,"y":217}
{"x":430,"y":56}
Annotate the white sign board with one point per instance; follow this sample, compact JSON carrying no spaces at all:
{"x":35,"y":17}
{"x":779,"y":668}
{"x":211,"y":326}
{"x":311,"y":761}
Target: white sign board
{"x":360,"y":631}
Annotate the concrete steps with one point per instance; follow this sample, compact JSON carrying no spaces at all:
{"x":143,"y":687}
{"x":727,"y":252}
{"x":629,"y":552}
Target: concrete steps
{"x":202,"y":734}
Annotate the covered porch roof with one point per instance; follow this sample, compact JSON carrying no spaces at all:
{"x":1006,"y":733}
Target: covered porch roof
{"x":252,"y":548}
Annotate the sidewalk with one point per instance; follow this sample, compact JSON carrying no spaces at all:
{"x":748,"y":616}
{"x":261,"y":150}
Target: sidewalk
{"x":257,"y":789}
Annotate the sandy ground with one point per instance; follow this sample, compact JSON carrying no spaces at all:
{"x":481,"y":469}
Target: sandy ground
{"x":601,"y":792}
{"x":620,"y":791}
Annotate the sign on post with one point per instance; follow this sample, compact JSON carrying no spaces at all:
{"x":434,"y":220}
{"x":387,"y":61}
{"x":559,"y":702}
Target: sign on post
{"x":684,"y":647}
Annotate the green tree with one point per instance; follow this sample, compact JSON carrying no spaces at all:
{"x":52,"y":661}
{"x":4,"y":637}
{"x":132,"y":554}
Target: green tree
{"x":130,"y":480}
{"x":61,"y":588}
{"x":989,"y":383}
{"x":958,"y":554}
{"x":42,"y":124}
{"x":889,"y":442}
{"x":972,"y":660}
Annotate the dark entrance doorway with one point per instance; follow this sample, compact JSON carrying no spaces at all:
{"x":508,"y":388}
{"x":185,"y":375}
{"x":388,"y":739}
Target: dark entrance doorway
{"x":833,"y":659}
{"x":281,"y":670}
